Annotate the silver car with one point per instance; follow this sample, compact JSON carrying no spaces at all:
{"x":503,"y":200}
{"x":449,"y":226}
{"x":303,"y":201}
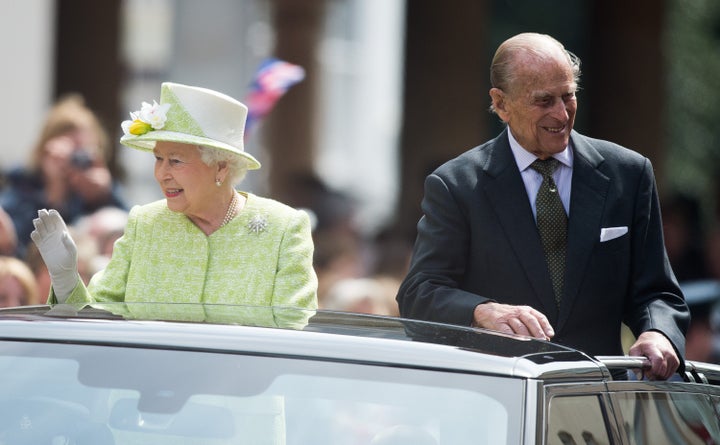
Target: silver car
{"x":189,"y":374}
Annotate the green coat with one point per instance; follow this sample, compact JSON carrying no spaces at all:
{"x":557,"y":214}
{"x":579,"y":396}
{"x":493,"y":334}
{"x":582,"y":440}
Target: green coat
{"x":263,"y":257}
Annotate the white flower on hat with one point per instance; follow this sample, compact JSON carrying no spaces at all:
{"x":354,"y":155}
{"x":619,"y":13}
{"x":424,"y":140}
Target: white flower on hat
{"x":154,"y":114}
{"x":150,"y":117}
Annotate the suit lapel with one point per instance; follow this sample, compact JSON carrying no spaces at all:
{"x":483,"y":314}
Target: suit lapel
{"x":506,"y":193}
{"x":587,"y":200}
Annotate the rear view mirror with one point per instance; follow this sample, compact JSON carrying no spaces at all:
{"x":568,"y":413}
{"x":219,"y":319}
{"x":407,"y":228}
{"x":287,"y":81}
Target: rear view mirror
{"x":193,"y":420}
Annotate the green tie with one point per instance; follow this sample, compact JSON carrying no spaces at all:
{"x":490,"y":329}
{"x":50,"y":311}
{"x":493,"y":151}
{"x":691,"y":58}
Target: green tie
{"x":551,"y":222}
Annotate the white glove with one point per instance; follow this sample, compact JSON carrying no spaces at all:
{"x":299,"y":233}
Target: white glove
{"x":58,"y":250}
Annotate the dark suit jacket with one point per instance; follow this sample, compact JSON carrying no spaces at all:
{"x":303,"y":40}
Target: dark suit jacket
{"x":478,"y":241}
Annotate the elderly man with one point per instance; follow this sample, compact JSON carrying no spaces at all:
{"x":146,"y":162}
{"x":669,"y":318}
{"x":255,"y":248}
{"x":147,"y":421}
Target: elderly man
{"x":545,"y":232}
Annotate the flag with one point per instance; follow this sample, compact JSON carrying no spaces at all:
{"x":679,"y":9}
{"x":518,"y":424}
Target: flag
{"x":272,"y":79}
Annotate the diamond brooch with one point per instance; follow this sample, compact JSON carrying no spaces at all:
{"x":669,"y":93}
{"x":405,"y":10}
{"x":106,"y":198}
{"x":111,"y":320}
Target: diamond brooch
{"x":257,"y":224}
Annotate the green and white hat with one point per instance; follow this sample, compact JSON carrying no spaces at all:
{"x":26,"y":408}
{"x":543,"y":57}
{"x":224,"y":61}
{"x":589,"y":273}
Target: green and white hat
{"x":189,"y":115}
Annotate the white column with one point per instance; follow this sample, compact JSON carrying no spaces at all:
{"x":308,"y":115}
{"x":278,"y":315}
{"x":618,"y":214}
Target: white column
{"x":26,"y":46}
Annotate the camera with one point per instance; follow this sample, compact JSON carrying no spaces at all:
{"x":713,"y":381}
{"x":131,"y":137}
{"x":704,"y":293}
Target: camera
{"x":81,"y":159}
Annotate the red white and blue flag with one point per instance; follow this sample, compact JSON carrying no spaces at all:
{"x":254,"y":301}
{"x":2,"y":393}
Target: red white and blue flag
{"x":272,"y":79}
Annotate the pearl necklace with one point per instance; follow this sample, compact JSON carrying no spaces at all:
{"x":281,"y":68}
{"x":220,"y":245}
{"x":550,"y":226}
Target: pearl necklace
{"x":231,"y":211}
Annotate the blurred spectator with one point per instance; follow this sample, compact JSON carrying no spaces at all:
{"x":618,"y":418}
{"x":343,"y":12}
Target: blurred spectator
{"x":702,"y":297}
{"x":334,"y":211}
{"x":390,"y":263}
{"x":392,"y":254}
{"x":17,"y":283}
{"x":354,"y":274}
{"x":8,"y":235}
{"x":684,"y":240}
{"x":39,"y":271}
{"x":103,"y":227}
{"x":713,"y":251}
{"x":337,"y":257}
{"x":363,"y":295}
{"x":89,"y":259}
{"x":339,"y":251}
{"x":67,"y":170}
{"x":390,"y":286}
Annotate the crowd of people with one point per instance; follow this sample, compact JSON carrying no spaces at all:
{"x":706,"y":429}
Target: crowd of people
{"x":86,"y":239}
{"x":67,"y":169}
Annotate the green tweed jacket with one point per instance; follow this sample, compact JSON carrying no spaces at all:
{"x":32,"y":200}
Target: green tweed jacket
{"x":263,"y":257}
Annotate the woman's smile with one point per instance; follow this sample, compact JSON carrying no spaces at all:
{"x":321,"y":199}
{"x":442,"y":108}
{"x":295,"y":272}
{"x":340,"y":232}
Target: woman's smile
{"x":172,"y":193}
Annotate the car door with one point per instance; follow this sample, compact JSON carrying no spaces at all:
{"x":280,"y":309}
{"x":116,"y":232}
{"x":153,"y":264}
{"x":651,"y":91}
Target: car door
{"x":578,"y":414}
{"x":665,"y":413}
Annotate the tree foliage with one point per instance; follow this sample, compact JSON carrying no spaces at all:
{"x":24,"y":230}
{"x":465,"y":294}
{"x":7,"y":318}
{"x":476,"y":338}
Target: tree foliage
{"x":693,"y":112}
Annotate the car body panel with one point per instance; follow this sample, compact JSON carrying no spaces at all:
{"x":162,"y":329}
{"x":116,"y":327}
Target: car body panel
{"x":336,"y":378}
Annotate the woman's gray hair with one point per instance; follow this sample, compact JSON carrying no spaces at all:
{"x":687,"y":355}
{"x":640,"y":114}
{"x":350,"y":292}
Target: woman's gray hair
{"x":504,"y":69}
{"x":237,"y":166}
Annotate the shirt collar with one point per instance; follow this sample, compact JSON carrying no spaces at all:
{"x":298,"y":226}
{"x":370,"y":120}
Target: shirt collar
{"x":524,"y":158}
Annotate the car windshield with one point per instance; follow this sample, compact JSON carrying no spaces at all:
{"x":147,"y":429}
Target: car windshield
{"x":64,"y":393}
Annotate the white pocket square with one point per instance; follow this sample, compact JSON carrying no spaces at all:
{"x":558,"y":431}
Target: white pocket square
{"x":610,"y":233}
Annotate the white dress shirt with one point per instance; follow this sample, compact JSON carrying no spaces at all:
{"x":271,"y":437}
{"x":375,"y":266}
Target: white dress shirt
{"x":532,"y":178}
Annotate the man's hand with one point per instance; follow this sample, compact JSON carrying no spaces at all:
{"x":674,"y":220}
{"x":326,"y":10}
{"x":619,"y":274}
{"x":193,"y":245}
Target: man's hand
{"x":659,"y":351}
{"x":522,"y":320}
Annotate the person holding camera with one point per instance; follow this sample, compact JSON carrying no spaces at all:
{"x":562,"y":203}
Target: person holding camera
{"x":67,"y":171}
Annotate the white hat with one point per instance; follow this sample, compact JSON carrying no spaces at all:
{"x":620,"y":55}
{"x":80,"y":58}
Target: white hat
{"x":190,"y":115}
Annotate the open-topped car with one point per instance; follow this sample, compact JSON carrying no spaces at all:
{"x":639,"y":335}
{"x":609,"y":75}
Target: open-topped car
{"x":71,"y":375}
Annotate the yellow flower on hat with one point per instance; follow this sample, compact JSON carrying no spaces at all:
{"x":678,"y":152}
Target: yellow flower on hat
{"x":150,"y":117}
{"x":138,"y":127}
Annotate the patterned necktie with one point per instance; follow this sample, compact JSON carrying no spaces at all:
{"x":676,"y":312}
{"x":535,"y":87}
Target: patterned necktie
{"x":551,"y":222}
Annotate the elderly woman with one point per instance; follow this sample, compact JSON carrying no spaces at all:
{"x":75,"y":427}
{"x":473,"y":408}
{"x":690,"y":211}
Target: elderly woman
{"x":205,"y":242}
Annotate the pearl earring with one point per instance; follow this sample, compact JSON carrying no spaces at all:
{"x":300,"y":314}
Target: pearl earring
{"x":218,"y":182}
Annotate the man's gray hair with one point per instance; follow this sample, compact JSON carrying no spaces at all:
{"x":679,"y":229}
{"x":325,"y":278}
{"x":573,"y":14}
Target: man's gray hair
{"x":504,"y":69}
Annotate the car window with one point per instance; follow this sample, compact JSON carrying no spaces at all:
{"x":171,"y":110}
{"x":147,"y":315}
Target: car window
{"x":668,"y":417}
{"x":64,"y":393}
{"x":576,"y":420}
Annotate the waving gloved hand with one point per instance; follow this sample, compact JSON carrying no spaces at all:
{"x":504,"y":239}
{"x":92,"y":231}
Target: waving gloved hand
{"x":58,"y":250}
